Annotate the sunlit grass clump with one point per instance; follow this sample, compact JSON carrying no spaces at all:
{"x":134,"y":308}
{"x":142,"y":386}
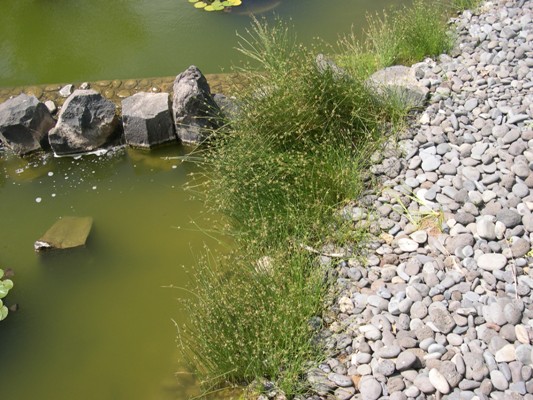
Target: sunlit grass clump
{"x":403,"y":35}
{"x":297,"y":151}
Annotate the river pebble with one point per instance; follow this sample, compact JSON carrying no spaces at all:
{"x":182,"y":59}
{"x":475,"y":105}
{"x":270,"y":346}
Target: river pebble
{"x":447,"y":307}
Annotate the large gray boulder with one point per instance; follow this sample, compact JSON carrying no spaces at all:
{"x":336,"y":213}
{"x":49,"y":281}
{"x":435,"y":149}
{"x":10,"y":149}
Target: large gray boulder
{"x":24,"y":124}
{"x":400,"y":82}
{"x":87,"y":122}
{"x":147,"y":120}
{"x":195,"y":112}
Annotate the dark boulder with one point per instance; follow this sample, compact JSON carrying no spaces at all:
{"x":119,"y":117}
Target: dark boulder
{"x":195,"y":112}
{"x":87,"y":121}
{"x":24,"y":124}
{"x":228,"y":106}
{"x":147,"y":120}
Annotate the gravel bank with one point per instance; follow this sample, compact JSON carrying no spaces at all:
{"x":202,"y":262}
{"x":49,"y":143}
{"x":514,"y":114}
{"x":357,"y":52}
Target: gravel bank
{"x":442,"y":306}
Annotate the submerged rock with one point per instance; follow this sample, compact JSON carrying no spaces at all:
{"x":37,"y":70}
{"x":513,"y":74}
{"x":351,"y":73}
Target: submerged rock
{"x":147,"y":120}
{"x":87,"y":121}
{"x":24,"y":124}
{"x":195,"y":112}
{"x":66,"y":233}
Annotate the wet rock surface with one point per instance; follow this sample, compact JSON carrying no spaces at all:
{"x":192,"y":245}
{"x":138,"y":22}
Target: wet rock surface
{"x":440,"y":306}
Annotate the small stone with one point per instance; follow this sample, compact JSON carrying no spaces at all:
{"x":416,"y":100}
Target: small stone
{"x":521,"y":334}
{"x":405,"y":360}
{"x":66,"y":90}
{"x":513,"y":313}
{"x":370,"y":389}
{"x":523,"y":353}
{"x":423,"y":383}
{"x":470,"y":104}
{"x":492,"y":261}
{"x":498,"y":380}
{"x":419,"y":236}
{"x":438,"y":381}
{"x":389,"y":351}
{"x":340,"y":380}
{"x":431,"y":163}
{"x":506,"y":354}
{"x":407,"y":245}
{"x":344,"y":393}
{"x":520,"y":247}
{"x":486,"y":229}
{"x":385,"y":367}
{"x":509,"y":218}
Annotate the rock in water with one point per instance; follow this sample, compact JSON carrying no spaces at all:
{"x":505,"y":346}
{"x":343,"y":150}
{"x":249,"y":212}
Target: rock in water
{"x":24,"y":124}
{"x":66,"y":233}
{"x":195,"y":112}
{"x":87,"y":122}
{"x":147,"y":120}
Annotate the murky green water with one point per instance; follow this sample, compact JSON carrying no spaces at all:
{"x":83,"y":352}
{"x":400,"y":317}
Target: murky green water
{"x":96,"y":322}
{"x":60,"y":41}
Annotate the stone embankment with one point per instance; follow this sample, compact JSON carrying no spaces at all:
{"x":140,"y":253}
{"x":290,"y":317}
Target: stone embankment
{"x":442,"y":305}
{"x":115,"y":90}
{"x":88,"y":120}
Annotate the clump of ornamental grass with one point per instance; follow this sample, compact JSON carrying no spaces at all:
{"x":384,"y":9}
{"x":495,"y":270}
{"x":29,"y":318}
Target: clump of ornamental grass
{"x":462,"y":5}
{"x":297,"y":151}
{"x":403,"y":35}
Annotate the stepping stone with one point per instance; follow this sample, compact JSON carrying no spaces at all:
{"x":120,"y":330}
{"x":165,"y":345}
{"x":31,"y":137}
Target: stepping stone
{"x":66,"y":233}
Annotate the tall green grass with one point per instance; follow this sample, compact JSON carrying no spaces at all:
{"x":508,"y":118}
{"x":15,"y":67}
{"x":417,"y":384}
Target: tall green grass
{"x":297,"y":151}
{"x":403,"y":35}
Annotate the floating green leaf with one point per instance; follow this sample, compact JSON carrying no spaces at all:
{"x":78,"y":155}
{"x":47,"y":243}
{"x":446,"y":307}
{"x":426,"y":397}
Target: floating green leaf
{"x":3,"y":312}
{"x":215,"y":5}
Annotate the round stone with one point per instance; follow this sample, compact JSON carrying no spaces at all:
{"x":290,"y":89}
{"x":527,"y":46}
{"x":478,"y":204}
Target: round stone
{"x":389,"y":351}
{"x":405,"y":360}
{"x":439,"y":381}
{"x":491,"y":261}
{"x":521,"y":334}
{"x":509,"y":218}
{"x":340,"y":380}
{"x":431,"y":163}
{"x":506,"y":354}
{"x":423,"y":383}
{"x":370,"y":389}
{"x":498,"y":380}
{"x":407,"y":245}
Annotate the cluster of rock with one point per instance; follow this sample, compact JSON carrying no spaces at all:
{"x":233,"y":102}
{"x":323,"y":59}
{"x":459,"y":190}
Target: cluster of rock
{"x":442,"y":305}
{"x":87,"y":121}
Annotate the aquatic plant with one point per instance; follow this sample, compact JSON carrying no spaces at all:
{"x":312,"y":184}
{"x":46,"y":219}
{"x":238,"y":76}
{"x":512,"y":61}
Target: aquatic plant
{"x":215,"y":5}
{"x":5,"y":286}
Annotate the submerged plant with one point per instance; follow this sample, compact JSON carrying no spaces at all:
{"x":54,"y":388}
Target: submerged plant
{"x":5,"y":286}
{"x":215,"y":5}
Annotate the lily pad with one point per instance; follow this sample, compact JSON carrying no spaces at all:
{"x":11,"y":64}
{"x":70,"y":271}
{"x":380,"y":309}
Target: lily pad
{"x":3,"y":312}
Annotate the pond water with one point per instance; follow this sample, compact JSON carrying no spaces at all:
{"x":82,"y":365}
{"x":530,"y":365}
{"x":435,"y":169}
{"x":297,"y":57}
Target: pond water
{"x":96,"y":322}
{"x":43,"y":41}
